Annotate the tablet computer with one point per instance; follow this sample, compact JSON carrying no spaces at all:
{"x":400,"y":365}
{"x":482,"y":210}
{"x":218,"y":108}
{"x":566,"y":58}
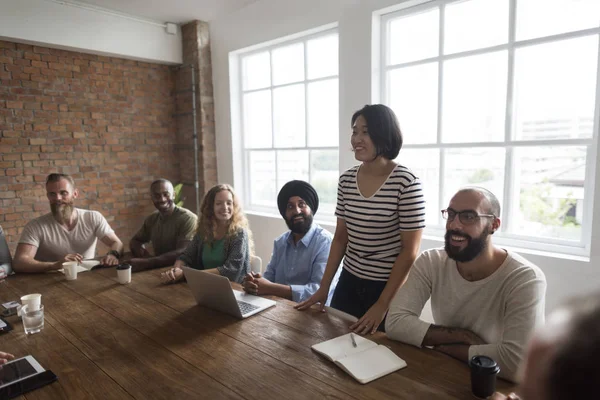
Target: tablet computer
{"x":18,"y":370}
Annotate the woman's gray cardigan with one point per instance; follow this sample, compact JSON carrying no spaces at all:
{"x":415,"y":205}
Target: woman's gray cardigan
{"x":237,"y":256}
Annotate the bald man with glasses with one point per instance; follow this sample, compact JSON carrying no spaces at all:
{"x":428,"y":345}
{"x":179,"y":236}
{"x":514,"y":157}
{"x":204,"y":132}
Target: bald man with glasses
{"x":485,"y":300}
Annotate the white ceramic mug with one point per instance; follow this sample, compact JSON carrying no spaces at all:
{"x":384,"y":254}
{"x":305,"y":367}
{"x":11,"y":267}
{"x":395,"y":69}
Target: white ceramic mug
{"x":70,"y":268}
{"x":124,"y":273}
{"x":33,"y":301}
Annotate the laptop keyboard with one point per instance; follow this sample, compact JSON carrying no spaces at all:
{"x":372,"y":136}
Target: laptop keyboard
{"x":245,"y":308}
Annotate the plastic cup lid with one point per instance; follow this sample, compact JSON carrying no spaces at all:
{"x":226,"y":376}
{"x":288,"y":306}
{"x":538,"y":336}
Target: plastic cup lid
{"x":484,"y":364}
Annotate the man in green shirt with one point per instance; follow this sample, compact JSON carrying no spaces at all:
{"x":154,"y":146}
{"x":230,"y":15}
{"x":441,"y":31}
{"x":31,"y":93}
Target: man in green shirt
{"x":170,"y":229}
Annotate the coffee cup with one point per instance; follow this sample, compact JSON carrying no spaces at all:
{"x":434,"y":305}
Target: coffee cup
{"x":32,"y":301}
{"x":124,"y":273}
{"x":483,"y":376}
{"x":71,"y":268}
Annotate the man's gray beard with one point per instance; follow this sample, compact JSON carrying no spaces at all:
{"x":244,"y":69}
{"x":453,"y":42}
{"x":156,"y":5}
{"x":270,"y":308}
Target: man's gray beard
{"x":62,"y":215}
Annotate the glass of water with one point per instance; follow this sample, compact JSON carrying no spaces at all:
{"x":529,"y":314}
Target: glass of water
{"x":33,"y":320}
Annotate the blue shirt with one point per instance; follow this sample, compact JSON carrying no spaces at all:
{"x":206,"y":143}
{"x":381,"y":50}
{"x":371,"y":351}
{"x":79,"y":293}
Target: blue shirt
{"x":301,"y":265}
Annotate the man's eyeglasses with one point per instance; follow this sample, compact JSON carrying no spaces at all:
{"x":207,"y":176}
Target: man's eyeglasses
{"x":466,"y":217}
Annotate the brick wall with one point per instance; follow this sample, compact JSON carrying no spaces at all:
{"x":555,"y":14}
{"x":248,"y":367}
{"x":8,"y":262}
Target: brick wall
{"x":106,"y":121}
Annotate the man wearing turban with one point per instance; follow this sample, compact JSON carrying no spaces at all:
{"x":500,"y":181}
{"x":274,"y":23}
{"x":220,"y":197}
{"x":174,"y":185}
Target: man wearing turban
{"x":300,"y":254}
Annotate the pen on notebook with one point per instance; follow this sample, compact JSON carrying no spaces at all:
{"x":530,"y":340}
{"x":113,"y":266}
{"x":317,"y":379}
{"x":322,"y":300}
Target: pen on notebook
{"x":352,"y":338}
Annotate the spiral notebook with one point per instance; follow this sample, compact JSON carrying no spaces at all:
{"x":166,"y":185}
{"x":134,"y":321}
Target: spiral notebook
{"x":365,"y":362}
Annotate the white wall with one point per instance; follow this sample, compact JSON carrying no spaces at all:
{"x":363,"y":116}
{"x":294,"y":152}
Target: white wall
{"x":54,"y":25}
{"x":267,"y":20}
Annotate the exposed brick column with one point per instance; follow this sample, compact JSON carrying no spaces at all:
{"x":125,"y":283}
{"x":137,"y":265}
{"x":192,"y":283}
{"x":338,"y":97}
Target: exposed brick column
{"x":196,"y":53}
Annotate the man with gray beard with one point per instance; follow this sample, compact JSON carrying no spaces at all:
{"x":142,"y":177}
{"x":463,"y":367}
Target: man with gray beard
{"x":485,"y":300}
{"x":65,"y":234}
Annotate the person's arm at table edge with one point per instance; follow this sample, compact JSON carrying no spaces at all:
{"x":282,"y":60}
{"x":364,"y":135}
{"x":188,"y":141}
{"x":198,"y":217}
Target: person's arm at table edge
{"x":112,"y":241}
{"x":267,"y":287}
{"x":164,"y":260}
{"x":25,"y":262}
{"x":525,"y":310}
{"x":137,"y":248}
{"x":411,"y":241}
{"x":372,"y":318}
{"x":336,"y":253}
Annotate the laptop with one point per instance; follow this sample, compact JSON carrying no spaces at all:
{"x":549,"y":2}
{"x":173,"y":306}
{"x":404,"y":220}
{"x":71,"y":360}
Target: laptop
{"x":214,"y":291}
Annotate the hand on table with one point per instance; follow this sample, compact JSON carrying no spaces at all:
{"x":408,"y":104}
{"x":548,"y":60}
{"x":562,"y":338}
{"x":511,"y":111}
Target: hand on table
{"x":174,"y":274}
{"x":109,"y":260}
{"x":320,"y":297}
{"x":138,"y":264}
{"x":255,"y":284}
{"x":370,"y":321}
{"x":69,"y":257}
{"x":250,"y":283}
{"x":5,"y":357}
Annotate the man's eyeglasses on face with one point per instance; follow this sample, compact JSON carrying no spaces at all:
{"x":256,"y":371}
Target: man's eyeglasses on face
{"x":466,"y":217}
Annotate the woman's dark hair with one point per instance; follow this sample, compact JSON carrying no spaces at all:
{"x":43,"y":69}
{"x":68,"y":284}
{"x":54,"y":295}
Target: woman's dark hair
{"x":384,"y":129}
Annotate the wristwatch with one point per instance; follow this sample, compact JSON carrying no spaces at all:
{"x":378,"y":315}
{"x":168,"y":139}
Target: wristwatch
{"x":114,"y":253}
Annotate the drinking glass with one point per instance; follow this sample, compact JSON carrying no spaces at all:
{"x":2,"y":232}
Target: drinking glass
{"x":33,"y":320}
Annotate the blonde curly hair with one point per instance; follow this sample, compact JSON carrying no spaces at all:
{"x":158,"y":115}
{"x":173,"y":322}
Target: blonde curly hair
{"x":207,"y":222}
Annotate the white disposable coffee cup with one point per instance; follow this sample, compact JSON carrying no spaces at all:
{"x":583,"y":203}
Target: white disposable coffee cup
{"x":32,"y":301}
{"x":70,"y":269}
{"x":124,"y":273}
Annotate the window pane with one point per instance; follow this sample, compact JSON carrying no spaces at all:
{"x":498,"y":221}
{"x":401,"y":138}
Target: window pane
{"x":555,"y":89}
{"x":549,"y":183}
{"x":291,"y":164}
{"x":474,"y":24}
{"x":323,"y":113}
{"x":474,"y":98}
{"x":324,"y":174}
{"x":288,"y":64}
{"x":322,"y":56}
{"x":413,"y":95}
{"x":288,"y":116}
{"x":425,"y":164}
{"x":537,"y":18}
{"x":256,"y":71}
{"x":482,"y":167}
{"x":262,"y":178}
{"x":414,"y":37}
{"x":257,"y":119}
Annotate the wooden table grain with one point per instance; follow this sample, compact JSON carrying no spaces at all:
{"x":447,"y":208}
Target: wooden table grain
{"x":145,"y":340}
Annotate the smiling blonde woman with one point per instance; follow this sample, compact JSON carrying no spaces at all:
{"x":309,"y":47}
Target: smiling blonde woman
{"x":223,"y":242}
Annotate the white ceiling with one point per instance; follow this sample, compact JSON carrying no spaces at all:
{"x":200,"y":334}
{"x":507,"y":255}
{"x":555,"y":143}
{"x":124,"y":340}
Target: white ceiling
{"x":177,"y":11}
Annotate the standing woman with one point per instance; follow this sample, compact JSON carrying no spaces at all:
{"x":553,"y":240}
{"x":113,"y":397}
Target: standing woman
{"x":380,"y":219}
{"x":223,"y":242}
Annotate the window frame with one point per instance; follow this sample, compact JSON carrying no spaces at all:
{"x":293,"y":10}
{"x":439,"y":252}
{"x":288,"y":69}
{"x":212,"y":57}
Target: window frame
{"x":528,"y":243}
{"x":331,"y":29}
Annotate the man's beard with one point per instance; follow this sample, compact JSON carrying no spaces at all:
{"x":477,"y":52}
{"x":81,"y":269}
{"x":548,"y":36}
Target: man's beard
{"x":300,"y":227}
{"x":474,"y":245}
{"x":62,"y":212}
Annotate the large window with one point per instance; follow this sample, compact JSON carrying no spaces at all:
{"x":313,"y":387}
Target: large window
{"x":501,"y":94}
{"x":290,"y":118}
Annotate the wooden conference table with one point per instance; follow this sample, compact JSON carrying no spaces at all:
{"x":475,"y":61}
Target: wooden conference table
{"x":145,"y":340}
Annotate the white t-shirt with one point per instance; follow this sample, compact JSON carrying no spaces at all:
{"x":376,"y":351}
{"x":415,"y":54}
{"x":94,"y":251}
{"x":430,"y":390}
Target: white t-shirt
{"x":503,"y":309}
{"x":54,"y":241}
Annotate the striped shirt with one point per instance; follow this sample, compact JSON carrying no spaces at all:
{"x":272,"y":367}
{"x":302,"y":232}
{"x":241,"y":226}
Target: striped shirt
{"x":375,"y":224}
